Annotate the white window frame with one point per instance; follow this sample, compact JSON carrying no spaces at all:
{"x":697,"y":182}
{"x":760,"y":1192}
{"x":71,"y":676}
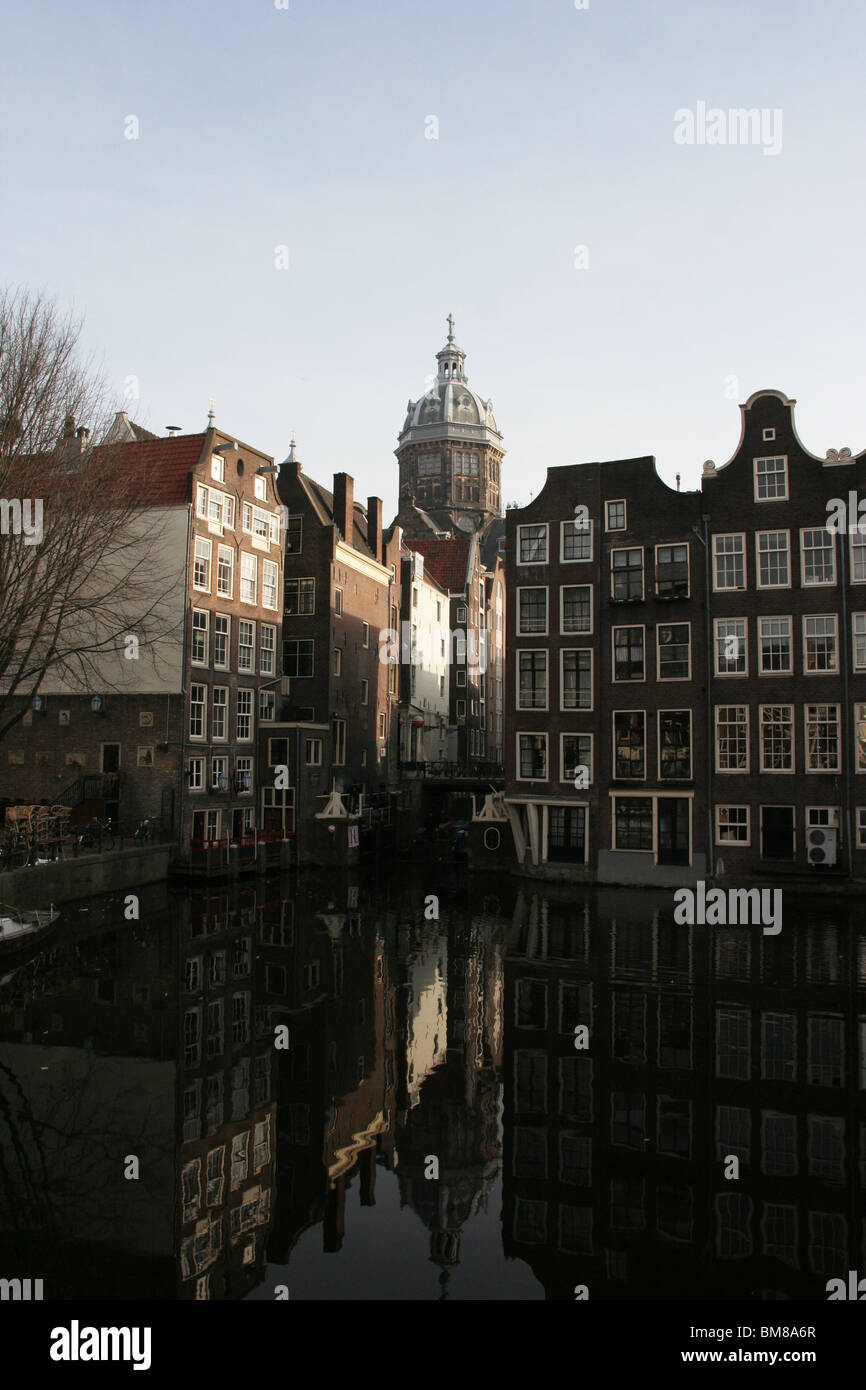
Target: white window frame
{"x":632,"y":598}
{"x":202,"y":704}
{"x":829,"y":670}
{"x":825,"y":771}
{"x":245,"y":579}
{"x":202,"y":541}
{"x":576,"y":733}
{"x":582,"y":531}
{"x":743,"y":552}
{"x":731,"y":771}
{"x":267,"y":567}
{"x":771,"y":458}
{"x":250,"y":646}
{"x":854,"y":635}
{"x":775,"y":531}
{"x":517,"y":629}
{"x":531,"y":651}
{"x":195,"y":774}
{"x":224,"y":705}
{"x":616,"y":502}
{"x":613,"y":772}
{"x":244,"y":714}
{"x":535,"y":526}
{"x":816,"y":583}
{"x":856,"y":540}
{"x":668,"y":781}
{"x":733,"y":844}
{"x":717,"y":642}
{"x":632,"y":680}
{"x":575,"y":632}
{"x":223,"y":550}
{"x":267,"y":668}
{"x":776,"y":618}
{"x":532,"y":733}
{"x":669,"y":545}
{"x":778,"y":771}
{"x":223,"y":665}
{"x":672,"y":679}
{"x":200,"y":613}
{"x":576,"y":709}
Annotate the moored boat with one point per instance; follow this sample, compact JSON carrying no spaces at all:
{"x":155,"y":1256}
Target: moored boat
{"x":21,"y":929}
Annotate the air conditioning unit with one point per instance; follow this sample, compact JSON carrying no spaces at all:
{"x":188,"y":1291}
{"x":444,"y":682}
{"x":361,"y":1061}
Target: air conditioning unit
{"x":821,"y":844}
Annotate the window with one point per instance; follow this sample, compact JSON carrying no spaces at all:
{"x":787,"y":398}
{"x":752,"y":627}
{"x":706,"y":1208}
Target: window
{"x":219,"y":730}
{"x":729,"y":562}
{"x":575,"y":752}
{"x":267,"y":706}
{"x":338,"y":603}
{"x":732,"y":738}
{"x":246,"y":645}
{"x":338,"y":661}
{"x":199,"y":654}
{"x":732,"y":825}
{"x":733,"y":1050}
{"x":614,"y":513}
{"x":215,"y":1178}
{"x":627,"y":573}
{"x":768,"y":436}
{"x":197,"y":721}
{"x":532,"y":757}
{"x":628,"y":654}
{"x":225,"y":570}
{"x":365,"y":630}
{"x":775,"y":646}
{"x":773,"y":565}
{"x":822,"y":738}
{"x":294,"y":535}
{"x":249,"y":564}
{"x":243,"y":774}
{"x":629,"y":745}
{"x":576,"y":608}
{"x":771,"y":479}
{"x":777,"y":738}
{"x":674,"y":651}
{"x":576,"y":679}
{"x":218,"y":468}
{"x":532,"y":680}
{"x":817,"y":556}
{"x":257,"y":523}
{"x":261,"y":489}
{"x":858,"y":640}
{"x":431,"y":464}
{"x":857,"y":541}
{"x":731,"y":646}
{"x":245,"y":715}
{"x":219,"y":771}
{"x":575,"y":542}
{"x":861,"y":827}
{"x":338,"y":730}
{"x":313,"y":752}
{"x":196,"y":774}
{"x":675,"y":744}
{"x":365,"y":692}
{"x":531,"y":612}
{"x":532,"y":544}
{"x":820,"y":644}
{"x":633,"y":822}
{"x":382,"y":722}
{"x":201,"y":565}
{"x":672,"y":571}
{"x":298,"y":656}
{"x":267,"y":649}
{"x":270,"y":576}
{"x":300,"y":597}
{"x":221,"y":634}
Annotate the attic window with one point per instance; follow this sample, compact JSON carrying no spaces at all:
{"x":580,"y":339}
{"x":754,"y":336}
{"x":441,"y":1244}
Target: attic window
{"x":769,"y":435}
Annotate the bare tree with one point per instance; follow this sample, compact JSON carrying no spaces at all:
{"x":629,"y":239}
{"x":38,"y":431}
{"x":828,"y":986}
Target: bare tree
{"x":85,"y":563}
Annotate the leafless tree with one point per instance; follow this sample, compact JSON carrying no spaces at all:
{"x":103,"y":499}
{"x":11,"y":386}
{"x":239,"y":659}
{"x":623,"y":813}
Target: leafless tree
{"x":82,"y":561}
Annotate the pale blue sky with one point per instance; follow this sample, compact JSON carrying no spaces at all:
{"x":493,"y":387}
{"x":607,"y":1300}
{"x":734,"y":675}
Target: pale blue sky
{"x":306,"y":127}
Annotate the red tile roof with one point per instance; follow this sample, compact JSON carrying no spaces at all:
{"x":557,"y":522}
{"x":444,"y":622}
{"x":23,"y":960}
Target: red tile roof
{"x":164,"y":464}
{"x":447,"y":560}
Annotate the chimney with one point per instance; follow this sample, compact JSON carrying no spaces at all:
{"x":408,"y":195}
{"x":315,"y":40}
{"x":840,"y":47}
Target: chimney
{"x":374,"y":526}
{"x":344,"y":506}
{"x":82,"y":434}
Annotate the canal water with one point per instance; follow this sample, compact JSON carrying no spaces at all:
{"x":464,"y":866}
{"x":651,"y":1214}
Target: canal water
{"x":416,"y":1084}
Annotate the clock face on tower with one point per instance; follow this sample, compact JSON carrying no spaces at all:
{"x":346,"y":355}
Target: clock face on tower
{"x":466,"y":523}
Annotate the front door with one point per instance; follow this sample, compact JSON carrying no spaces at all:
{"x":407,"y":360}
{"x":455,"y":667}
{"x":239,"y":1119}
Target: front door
{"x":673,"y":830}
{"x":566,"y":833}
{"x":777,"y":832}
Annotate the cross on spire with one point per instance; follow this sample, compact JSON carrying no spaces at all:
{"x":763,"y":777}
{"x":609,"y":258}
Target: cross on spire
{"x":450,"y":322}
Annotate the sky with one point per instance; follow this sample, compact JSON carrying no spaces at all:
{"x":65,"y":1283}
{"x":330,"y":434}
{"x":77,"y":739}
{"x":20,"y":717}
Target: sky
{"x":276,"y":203}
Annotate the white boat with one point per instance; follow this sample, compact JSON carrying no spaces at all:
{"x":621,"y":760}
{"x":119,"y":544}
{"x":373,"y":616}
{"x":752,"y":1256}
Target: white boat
{"x":17,"y":927}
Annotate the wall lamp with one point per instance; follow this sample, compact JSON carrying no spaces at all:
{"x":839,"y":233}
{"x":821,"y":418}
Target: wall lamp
{"x":268,"y":468}
{"x":39,"y":704}
{"x":230,"y":448}
{"x":97,"y":704}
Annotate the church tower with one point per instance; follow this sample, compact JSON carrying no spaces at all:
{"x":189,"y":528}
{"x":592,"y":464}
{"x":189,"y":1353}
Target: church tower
{"x":450,"y":454}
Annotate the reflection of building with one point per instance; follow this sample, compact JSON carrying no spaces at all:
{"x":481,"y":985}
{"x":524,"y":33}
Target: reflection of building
{"x":703,"y":1043}
{"x":451,"y":1005}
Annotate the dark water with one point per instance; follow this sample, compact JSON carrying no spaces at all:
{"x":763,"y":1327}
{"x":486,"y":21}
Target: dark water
{"x":434,"y":1127}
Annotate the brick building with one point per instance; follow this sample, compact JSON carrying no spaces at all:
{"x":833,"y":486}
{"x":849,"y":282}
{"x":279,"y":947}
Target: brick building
{"x":687,"y":691}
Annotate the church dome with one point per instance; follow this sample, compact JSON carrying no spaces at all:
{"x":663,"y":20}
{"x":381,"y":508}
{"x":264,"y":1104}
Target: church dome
{"x":450,"y":408}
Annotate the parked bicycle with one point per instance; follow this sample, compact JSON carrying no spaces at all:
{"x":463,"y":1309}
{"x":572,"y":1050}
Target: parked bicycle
{"x":145,"y":831}
{"x":95,"y":834}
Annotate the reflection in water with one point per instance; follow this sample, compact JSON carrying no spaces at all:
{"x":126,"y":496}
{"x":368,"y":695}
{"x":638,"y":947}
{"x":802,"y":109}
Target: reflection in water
{"x":444,"y":1059}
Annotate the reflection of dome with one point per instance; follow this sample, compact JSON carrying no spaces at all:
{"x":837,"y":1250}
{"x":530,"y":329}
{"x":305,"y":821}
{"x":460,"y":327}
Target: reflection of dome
{"x":450,"y":405}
